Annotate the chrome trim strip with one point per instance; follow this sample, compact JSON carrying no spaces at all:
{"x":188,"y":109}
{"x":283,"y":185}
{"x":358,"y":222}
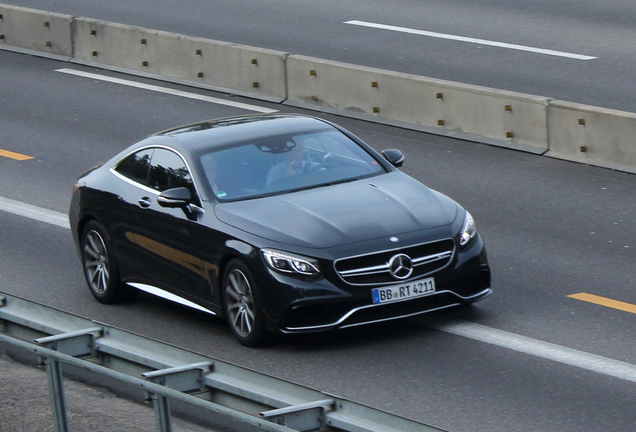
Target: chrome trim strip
{"x":168,"y":296}
{"x":134,"y":183}
{"x":346,"y":316}
{"x":401,"y":316}
{"x":397,"y":248}
{"x":431,"y":258}
{"x":365,"y":270}
{"x":385,"y":267}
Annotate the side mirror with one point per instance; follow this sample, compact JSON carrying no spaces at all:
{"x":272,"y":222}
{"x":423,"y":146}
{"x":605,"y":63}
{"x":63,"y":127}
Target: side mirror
{"x":175,"y":198}
{"x":394,"y":156}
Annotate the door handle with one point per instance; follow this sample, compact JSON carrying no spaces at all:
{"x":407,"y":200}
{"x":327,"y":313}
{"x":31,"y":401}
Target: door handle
{"x":144,"y":202}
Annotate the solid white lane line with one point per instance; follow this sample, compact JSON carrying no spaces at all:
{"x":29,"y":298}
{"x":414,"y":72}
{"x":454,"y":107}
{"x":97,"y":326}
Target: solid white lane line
{"x":166,"y":90}
{"x":546,"y":350}
{"x":33,"y":212}
{"x":470,"y":40}
{"x":478,"y":332}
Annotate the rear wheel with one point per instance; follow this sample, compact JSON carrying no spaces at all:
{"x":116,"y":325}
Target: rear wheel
{"x":242,"y":304}
{"x":100,"y":268}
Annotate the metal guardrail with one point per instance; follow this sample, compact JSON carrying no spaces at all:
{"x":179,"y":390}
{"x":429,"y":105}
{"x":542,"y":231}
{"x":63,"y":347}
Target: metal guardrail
{"x":165,"y":372}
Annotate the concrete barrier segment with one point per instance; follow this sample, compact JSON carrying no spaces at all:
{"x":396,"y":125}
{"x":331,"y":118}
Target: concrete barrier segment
{"x":35,"y":30}
{"x":251,"y":70}
{"x":592,"y":135}
{"x":528,"y":123}
{"x":494,"y":114}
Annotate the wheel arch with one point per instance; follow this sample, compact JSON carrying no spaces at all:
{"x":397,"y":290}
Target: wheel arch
{"x":231,"y":255}
{"x":85,"y":219}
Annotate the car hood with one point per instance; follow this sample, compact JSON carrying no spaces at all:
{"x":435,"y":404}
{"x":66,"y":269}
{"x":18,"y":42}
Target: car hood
{"x":381,"y":206}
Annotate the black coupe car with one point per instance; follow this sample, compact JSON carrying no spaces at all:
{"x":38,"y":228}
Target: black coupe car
{"x":279,"y":223}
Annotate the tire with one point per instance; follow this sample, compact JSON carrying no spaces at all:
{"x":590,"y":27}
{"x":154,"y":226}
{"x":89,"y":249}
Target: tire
{"x":242,"y":305}
{"x":100,"y":268}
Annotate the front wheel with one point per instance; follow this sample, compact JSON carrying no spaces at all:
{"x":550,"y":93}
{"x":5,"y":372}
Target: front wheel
{"x":100,"y":268}
{"x":242,"y":305}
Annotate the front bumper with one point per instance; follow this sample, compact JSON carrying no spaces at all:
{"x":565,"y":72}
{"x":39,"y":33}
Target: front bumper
{"x":327,"y":316}
{"x":332,"y":304}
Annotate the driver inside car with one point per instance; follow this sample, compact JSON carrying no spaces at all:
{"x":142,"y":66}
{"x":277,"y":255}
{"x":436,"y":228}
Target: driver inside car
{"x":293,"y":164}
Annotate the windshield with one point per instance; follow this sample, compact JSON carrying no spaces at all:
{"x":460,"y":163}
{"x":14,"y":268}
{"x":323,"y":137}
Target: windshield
{"x":286,"y":163}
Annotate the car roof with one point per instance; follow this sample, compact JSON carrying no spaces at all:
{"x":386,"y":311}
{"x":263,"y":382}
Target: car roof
{"x":231,"y":130}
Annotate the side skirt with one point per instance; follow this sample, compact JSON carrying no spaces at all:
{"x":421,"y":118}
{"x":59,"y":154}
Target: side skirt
{"x":169,"y":296}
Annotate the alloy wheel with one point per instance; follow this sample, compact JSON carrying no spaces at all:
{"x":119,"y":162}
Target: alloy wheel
{"x":240,"y":303}
{"x":96,"y":262}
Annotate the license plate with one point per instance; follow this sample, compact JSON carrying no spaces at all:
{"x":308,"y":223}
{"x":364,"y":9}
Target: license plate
{"x":403,"y":292}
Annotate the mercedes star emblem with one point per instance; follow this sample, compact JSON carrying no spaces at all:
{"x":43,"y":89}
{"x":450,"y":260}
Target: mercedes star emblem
{"x":401,"y":266}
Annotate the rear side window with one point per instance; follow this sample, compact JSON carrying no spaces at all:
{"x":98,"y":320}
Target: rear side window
{"x":136,"y":166}
{"x":156,"y":168}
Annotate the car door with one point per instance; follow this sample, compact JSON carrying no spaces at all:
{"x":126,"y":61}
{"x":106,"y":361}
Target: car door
{"x":167,"y":240}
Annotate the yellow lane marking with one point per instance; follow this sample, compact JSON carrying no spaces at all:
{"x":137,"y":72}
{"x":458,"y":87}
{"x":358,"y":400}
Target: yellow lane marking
{"x":16,"y":156}
{"x":603,"y":301}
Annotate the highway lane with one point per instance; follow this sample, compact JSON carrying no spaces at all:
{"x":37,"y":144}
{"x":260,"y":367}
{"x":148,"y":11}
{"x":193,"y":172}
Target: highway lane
{"x":603,"y":31}
{"x":553,"y":229}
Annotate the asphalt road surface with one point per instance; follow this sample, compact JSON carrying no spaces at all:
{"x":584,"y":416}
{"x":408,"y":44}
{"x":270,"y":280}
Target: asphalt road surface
{"x":574,"y":50}
{"x":529,"y":358}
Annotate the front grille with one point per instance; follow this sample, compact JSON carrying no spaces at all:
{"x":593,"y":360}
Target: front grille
{"x":372,"y":269}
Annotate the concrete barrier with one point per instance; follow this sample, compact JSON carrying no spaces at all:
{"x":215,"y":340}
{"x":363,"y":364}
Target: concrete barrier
{"x":226,"y":66}
{"x":506,"y":116}
{"x":530,"y":123}
{"x":592,"y":135}
{"x":35,"y":30}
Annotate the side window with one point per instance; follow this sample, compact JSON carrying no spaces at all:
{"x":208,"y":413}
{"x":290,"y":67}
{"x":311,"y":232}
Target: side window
{"x":136,"y":166}
{"x":167,"y":171}
{"x":157,"y":168}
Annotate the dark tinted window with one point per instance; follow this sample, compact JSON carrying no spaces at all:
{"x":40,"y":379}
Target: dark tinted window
{"x":136,"y":166}
{"x":158,"y":168}
{"x":167,"y":171}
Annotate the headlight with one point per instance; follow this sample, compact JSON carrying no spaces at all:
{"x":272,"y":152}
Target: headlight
{"x":469,"y":230}
{"x":290,"y":263}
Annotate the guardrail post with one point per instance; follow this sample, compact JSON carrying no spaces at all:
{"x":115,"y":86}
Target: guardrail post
{"x":162,"y":412}
{"x":186,"y":378}
{"x":56,"y":393}
{"x":78,"y":343}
